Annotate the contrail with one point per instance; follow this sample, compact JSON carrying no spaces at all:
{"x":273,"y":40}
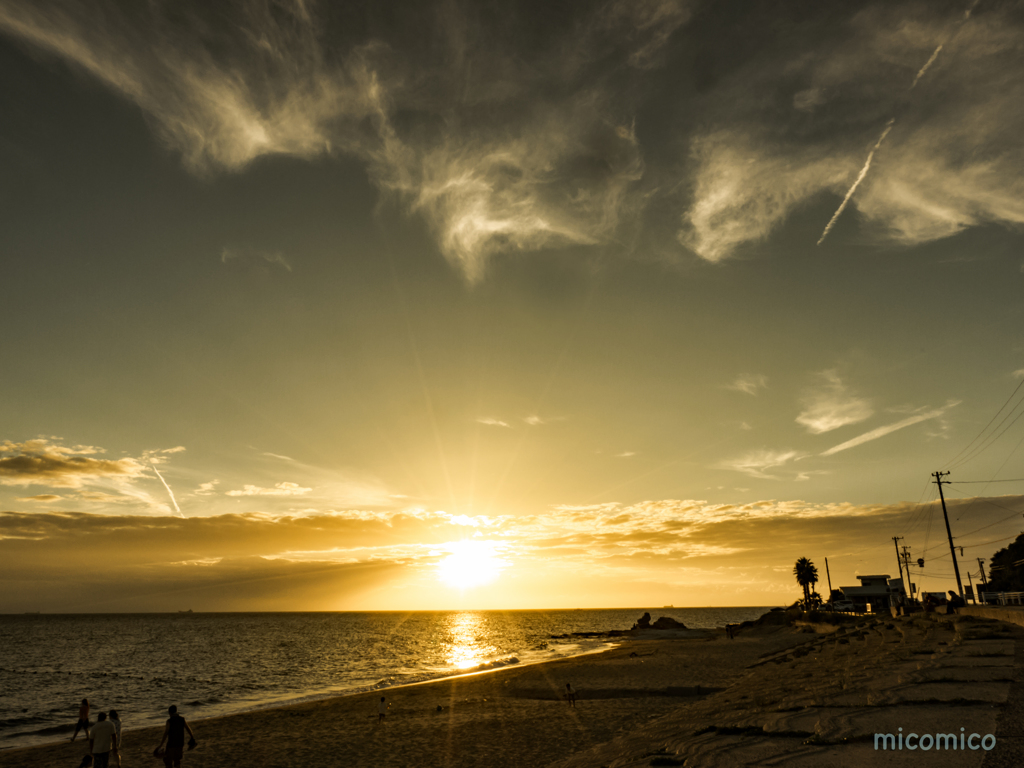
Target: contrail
{"x":860,"y":178}
{"x":888,"y":126}
{"x":927,"y":64}
{"x":169,"y":491}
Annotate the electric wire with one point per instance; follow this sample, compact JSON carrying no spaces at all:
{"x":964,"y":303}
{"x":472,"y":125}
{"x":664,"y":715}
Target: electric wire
{"x":985,"y":428}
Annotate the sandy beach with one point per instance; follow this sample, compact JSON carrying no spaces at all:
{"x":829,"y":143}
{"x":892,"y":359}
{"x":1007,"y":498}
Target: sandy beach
{"x":795,"y":694}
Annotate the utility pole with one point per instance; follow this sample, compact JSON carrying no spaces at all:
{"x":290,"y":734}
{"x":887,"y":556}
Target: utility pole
{"x":895,"y":541}
{"x":971,"y":585}
{"x":984,"y":580}
{"x":829,"y":577}
{"x":906,"y":567}
{"x":952,"y":552}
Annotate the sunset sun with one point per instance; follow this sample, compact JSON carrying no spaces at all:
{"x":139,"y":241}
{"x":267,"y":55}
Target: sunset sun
{"x":470,"y":564}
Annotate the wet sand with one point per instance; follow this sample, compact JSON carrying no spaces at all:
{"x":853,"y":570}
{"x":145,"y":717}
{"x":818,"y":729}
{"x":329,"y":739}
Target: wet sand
{"x":794,"y":695}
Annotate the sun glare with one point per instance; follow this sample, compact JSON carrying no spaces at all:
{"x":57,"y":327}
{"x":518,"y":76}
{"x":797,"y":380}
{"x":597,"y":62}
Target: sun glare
{"x":470,"y":564}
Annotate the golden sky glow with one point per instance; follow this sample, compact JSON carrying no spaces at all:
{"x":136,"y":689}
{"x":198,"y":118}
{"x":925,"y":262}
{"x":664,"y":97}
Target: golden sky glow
{"x":341,"y":306}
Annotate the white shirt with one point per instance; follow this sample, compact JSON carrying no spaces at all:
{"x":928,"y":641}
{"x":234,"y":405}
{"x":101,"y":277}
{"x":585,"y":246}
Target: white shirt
{"x":102,"y":735}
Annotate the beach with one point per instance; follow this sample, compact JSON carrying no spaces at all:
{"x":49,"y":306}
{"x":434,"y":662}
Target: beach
{"x":783,"y":691}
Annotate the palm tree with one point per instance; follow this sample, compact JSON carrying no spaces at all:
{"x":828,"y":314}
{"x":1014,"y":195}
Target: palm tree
{"x":806,"y":576}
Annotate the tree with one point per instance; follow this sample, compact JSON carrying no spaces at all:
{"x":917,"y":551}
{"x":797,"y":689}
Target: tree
{"x":806,"y":576}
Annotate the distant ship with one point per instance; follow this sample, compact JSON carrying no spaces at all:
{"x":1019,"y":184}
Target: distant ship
{"x":188,"y":611}
{"x":667,"y":606}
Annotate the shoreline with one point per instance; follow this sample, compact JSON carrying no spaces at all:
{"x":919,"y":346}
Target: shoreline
{"x":309,"y":698}
{"x":621,"y":692}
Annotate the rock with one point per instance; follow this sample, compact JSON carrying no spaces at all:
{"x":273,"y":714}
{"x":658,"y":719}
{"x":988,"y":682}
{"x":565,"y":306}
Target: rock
{"x":644,"y":622}
{"x":665,"y":622}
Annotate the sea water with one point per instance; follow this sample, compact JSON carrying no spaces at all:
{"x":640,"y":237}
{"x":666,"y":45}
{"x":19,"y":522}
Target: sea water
{"x":217,"y":663}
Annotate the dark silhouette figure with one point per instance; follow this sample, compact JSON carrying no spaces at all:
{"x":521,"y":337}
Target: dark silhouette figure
{"x":570,"y":695}
{"x":102,"y":740}
{"x":174,"y":735}
{"x":83,"y":719}
{"x":116,"y":720}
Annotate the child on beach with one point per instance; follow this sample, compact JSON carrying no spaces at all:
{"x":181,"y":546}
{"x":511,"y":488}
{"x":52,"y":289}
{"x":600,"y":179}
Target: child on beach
{"x":382,"y":710}
{"x":83,"y":719}
{"x":570,"y":695}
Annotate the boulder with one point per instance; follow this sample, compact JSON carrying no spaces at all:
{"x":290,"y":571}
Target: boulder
{"x":644,"y":622}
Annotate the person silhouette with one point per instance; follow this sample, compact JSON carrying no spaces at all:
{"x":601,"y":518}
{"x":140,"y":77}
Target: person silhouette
{"x":174,"y":735}
{"x":116,"y":720}
{"x":83,"y":720}
{"x":570,"y":695}
{"x":102,"y":740}
{"x":382,"y":710}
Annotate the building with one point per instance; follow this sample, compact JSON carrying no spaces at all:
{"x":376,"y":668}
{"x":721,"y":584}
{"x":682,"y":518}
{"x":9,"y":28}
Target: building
{"x":878,"y":591}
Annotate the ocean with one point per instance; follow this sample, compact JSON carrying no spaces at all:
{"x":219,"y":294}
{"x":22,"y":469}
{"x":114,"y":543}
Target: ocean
{"x":218,"y":663}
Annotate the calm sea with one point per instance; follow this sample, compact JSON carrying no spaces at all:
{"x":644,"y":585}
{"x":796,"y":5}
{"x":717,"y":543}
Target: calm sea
{"x":216,"y":663}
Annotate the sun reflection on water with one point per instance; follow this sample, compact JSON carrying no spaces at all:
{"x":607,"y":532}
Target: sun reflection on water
{"x":466,"y":642}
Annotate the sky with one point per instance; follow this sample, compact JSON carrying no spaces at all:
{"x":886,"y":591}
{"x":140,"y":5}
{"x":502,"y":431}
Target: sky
{"x":451,"y":305}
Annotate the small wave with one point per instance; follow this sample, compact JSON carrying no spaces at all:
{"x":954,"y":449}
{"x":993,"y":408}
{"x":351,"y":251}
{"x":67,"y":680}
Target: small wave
{"x":17,"y":722}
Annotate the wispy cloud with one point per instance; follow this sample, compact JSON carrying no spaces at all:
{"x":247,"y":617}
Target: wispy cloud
{"x":456,"y":123}
{"x":757,"y":463}
{"x":280,"y":489}
{"x":42,"y":498}
{"x":625,"y":454}
{"x":493,"y":422}
{"x":206,"y":489}
{"x":949,"y":163}
{"x":749,"y":383}
{"x":250,"y":255}
{"x":874,"y":434}
{"x":832,"y":406}
{"x":1018,"y":374}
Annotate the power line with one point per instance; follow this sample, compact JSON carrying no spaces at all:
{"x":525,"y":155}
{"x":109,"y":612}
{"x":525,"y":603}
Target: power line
{"x":985,"y":428}
{"x":1012,"y":480}
{"x":993,"y":436}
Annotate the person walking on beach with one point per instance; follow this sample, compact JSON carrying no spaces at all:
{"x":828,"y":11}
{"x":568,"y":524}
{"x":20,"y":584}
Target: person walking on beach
{"x":116,"y":720}
{"x":570,"y":695}
{"x":102,"y":739}
{"x":83,"y":719}
{"x":174,"y":735}
{"x":382,"y":710}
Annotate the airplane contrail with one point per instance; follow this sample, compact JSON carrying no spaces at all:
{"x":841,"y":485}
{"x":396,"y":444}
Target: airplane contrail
{"x":888,"y":126}
{"x":856,"y":183}
{"x":920,"y":72}
{"x":169,"y":491}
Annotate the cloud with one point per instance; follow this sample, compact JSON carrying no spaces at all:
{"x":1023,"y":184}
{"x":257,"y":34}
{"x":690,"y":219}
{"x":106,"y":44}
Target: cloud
{"x":625,"y":454}
{"x":951,"y":160}
{"x":832,"y":406}
{"x":1018,"y":374}
{"x":206,"y":489}
{"x":756,"y":463}
{"x":43,"y":498}
{"x":41,"y":462}
{"x":280,"y":489}
{"x":64,"y":560}
{"x":874,"y":434}
{"x":492,"y":422}
{"x":749,"y":383}
{"x":535,"y":421}
{"x":452,"y":120}
{"x":506,"y":136}
{"x":232,"y":254}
